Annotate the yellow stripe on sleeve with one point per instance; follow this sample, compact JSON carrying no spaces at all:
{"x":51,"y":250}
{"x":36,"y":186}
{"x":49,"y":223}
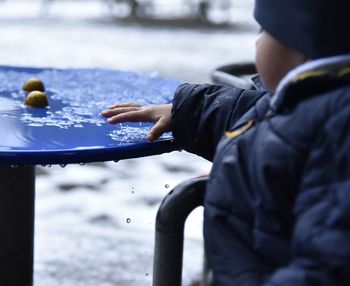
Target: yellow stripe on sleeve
{"x":244,"y":128}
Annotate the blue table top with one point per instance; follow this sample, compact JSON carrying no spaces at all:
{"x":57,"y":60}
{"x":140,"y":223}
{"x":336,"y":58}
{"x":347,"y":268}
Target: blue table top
{"x":71,"y":129}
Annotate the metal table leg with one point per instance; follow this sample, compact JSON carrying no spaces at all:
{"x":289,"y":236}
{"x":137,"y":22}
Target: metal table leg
{"x":17,"y":200}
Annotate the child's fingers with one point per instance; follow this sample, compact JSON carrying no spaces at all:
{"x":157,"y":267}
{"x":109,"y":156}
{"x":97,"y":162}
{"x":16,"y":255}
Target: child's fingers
{"x":128,"y":104}
{"x":118,"y":110}
{"x":131,"y":116}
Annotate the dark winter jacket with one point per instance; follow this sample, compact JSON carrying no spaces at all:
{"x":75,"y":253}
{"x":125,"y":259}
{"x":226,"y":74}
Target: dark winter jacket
{"x":277,"y":206}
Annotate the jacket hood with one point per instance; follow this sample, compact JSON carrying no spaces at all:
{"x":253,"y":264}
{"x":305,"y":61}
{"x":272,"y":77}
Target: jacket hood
{"x":310,"y":79}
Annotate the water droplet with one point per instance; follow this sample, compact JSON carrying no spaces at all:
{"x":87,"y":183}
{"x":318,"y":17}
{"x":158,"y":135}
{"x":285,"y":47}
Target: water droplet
{"x":81,"y":164}
{"x":49,"y":165}
{"x":116,"y":161}
{"x":133,"y":192}
{"x":167,"y":186}
{"x":63,"y":165}
{"x":128,"y":220}
{"x":147,"y":274}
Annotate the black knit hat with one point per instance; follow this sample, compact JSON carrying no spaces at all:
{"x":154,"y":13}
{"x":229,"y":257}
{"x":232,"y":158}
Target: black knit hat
{"x":316,"y":28}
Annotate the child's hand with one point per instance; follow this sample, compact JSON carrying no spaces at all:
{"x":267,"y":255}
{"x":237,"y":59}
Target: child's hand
{"x":160,"y":114}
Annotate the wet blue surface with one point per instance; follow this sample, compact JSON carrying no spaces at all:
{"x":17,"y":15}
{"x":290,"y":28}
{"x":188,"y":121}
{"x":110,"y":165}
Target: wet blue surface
{"x":71,"y":130}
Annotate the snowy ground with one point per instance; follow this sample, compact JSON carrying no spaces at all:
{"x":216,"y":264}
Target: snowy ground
{"x":95,"y":223}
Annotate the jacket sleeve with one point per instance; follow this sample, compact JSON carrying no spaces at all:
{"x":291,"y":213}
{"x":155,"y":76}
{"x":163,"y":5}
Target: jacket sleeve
{"x":321,"y":239}
{"x":201,"y":114}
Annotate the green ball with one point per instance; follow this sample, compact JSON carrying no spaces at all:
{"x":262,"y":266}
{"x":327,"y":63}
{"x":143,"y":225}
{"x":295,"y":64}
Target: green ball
{"x":36,"y":99}
{"x":33,"y":84}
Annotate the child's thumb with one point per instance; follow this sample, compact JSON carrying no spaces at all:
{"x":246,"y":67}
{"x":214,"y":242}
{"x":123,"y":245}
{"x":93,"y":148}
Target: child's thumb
{"x":157,"y":130}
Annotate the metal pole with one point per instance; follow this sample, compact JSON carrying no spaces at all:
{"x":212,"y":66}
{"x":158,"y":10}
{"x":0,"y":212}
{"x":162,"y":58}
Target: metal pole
{"x":169,"y":236}
{"x":17,"y":200}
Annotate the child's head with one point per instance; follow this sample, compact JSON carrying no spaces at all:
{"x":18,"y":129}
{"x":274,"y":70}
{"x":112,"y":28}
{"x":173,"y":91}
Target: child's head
{"x":297,"y":30}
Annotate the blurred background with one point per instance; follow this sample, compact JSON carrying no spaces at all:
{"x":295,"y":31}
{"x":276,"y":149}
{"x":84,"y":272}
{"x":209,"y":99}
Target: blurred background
{"x":95,"y":223}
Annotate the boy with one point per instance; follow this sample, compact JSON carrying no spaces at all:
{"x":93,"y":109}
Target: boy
{"x":277,"y":205}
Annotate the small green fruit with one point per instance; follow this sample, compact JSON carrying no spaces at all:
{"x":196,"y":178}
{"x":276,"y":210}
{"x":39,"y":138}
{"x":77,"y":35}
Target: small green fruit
{"x":33,"y":84}
{"x":36,"y":99}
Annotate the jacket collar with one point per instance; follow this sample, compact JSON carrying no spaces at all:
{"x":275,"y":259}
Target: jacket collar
{"x":259,"y":85}
{"x":310,"y":79}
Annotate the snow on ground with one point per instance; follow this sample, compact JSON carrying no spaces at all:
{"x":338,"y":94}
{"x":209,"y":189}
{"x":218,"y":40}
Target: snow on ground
{"x":95,"y":223}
